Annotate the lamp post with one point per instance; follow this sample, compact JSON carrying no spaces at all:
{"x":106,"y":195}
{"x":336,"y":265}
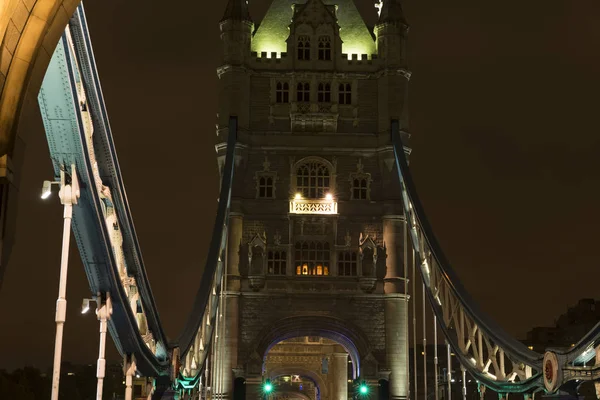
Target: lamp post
{"x":68,"y":194}
{"x":103,"y":312}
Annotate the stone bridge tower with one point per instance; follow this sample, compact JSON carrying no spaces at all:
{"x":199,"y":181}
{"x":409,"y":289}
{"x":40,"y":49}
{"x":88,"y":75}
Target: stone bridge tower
{"x":316,"y":240}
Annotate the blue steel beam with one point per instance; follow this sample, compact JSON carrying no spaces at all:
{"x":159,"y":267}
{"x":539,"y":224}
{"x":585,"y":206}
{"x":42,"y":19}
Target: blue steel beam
{"x":64,"y":123}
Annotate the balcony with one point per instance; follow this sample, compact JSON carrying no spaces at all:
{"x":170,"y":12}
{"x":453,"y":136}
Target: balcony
{"x":313,"y":206}
{"x":320,"y":117}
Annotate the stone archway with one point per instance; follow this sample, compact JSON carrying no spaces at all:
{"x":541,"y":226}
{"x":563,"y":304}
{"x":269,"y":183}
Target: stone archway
{"x":342,"y":332}
{"x":316,"y":378}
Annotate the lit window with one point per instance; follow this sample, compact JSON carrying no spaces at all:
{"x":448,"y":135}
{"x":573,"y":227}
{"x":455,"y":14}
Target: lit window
{"x":345,"y":93}
{"x":324,"y":93}
{"x":347,"y":264}
{"x":312,"y":179}
{"x":282,"y":92}
{"x":304,"y":47}
{"x":312,"y":258}
{"x":276,"y":262}
{"x":303,"y":92}
{"x":359,"y":188}
{"x":324,"y":48}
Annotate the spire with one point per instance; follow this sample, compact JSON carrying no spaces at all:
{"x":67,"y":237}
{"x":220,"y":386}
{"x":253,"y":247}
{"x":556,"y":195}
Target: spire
{"x":237,"y":10}
{"x":391,"y":11}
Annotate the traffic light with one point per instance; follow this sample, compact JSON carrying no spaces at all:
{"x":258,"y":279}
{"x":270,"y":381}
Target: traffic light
{"x":363,"y":389}
{"x":267,"y":387}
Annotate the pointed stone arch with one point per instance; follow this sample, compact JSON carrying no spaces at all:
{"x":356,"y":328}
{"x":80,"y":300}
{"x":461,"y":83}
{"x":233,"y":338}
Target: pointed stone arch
{"x":305,"y":372}
{"x":345,"y":333}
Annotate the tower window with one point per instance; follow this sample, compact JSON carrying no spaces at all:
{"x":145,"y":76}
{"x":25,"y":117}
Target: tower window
{"x":313,"y":179}
{"x":347,"y":264}
{"x":324,"y":48}
{"x":312,"y":258}
{"x":265,"y":187}
{"x":276,"y":262}
{"x":303,"y":92}
{"x":282,"y":92}
{"x":304,"y":47}
{"x":324,"y":93}
{"x":345,"y":93}
{"x":359,"y":188}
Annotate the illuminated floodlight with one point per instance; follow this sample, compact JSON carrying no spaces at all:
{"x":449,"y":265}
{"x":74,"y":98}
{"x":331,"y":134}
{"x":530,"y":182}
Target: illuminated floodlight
{"x":46,"y":189}
{"x":298,"y":196}
{"x":329,"y":197}
{"x":85,"y":306}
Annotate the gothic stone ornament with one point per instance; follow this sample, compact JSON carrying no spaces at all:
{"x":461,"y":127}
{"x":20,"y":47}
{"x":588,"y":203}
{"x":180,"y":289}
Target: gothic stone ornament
{"x":552,"y":373}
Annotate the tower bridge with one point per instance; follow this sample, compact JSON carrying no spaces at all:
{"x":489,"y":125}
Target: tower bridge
{"x":319,"y":237}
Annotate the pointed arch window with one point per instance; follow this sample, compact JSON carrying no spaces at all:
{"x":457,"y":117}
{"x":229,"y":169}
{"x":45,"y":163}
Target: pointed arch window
{"x":325,"y":48}
{"x":313,"y":179}
{"x":345,"y":93}
{"x":265,"y":181}
{"x":312,"y":258}
{"x":324,"y":93}
{"x":347,"y":263}
{"x":303,"y":92}
{"x":282,"y":92}
{"x":360,"y":183}
{"x":304,"y":47}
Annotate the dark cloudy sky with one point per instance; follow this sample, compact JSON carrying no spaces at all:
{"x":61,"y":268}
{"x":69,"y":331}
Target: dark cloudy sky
{"x":504,"y":105}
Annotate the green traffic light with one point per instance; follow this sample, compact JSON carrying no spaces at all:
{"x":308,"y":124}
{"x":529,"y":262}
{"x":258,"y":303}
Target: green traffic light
{"x":268,"y":387}
{"x":363,"y":389}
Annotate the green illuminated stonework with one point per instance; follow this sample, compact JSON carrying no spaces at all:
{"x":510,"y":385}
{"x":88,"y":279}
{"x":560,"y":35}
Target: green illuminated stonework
{"x":273,"y":31}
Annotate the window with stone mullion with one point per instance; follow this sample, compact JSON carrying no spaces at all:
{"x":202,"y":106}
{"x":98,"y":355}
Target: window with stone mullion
{"x":347,"y":263}
{"x":312,"y":258}
{"x":276,"y":262}
{"x":345,"y":93}
{"x":324,"y":48}
{"x":303,"y":92}
{"x":324,"y":93}
{"x":312,"y":180}
{"x":265,"y":187}
{"x":282,"y":92}
{"x":304,"y":47}
{"x":359,"y":189}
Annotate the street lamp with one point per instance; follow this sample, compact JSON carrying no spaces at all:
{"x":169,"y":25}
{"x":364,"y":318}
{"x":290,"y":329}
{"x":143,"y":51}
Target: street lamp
{"x":103,"y":312}
{"x":68,"y":194}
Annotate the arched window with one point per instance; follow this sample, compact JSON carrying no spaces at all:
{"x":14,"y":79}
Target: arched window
{"x":312,"y":258}
{"x":303,"y":92}
{"x":276,"y":262}
{"x":313,"y":179}
{"x":324,"y":93}
{"x":347,"y":263}
{"x":282,"y":92}
{"x":345,"y":93}
{"x":324,"y":48}
{"x":304,"y":47}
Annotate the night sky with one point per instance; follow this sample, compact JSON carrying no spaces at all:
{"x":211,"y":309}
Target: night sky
{"x":504,"y":103}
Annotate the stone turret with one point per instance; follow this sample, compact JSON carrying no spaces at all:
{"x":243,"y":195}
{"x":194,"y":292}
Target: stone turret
{"x":236,"y":32}
{"x":391,"y":31}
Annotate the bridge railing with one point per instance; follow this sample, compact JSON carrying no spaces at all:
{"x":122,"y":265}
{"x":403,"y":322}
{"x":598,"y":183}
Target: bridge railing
{"x":198,"y":336}
{"x":493,"y":357}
